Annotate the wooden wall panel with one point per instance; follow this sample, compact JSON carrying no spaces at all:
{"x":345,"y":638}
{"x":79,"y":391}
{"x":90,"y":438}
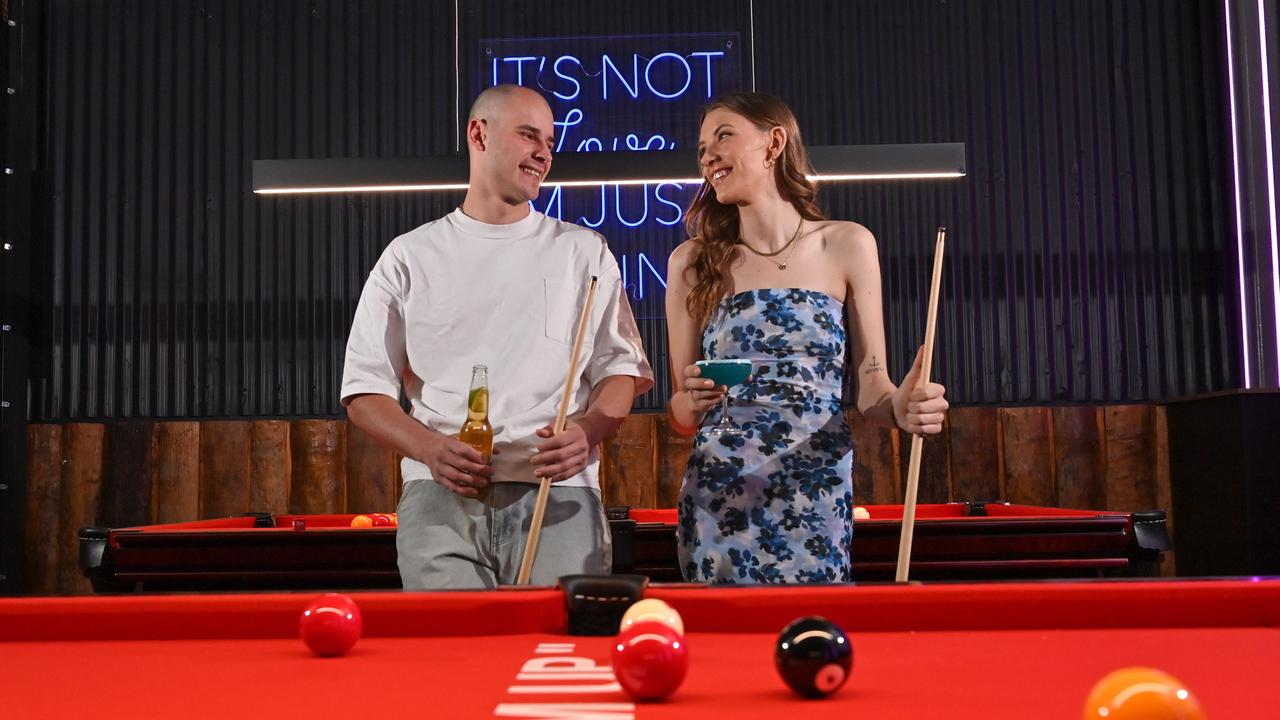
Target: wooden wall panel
{"x":932,"y":486}
{"x":373,"y":474}
{"x":177,"y":467}
{"x":875,"y":462}
{"x":319,"y":466}
{"x":629,"y":460}
{"x":270,"y":466}
{"x":82,"y":445}
{"x":1078,"y":457}
{"x":674,"y":450}
{"x":1027,"y":442}
{"x":44,"y":535}
{"x":129,"y":475}
{"x":1130,"y":470}
{"x":973,"y":441}
{"x":1113,"y":457}
{"x":224,"y":468}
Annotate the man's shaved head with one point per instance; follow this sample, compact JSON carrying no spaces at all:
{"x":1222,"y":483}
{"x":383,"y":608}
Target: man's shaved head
{"x":490,"y":103}
{"x":510,"y":140}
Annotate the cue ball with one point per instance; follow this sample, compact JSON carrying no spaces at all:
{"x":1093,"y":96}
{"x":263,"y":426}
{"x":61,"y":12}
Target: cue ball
{"x":653,"y":611}
{"x":1140,"y":693}
{"x":330,"y":625}
{"x":649,"y":660}
{"x":813,"y":656}
{"x":861,"y":513}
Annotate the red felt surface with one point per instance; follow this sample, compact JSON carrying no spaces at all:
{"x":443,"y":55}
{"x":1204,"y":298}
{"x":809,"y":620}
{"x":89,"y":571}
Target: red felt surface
{"x":231,"y":523}
{"x":1009,"y":606}
{"x":247,"y":522}
{"x":980,"y":675}
{"x":275,"y":615}
{"x":317,"y":521}
{"x":1020,"y":650}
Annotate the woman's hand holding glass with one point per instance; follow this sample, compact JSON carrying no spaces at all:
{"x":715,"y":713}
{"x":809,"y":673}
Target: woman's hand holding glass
{"x":719,"y":375}
{"x":704,"y":394}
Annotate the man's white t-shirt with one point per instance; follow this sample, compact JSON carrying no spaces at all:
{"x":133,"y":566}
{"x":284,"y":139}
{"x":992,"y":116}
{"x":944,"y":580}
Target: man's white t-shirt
{"x":457,"y":292}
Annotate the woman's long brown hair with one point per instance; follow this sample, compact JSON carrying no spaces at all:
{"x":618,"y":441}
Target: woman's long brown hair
{"x":714,"y":226}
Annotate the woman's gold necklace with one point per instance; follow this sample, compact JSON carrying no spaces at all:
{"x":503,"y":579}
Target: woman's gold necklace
{"x":790,"y":244}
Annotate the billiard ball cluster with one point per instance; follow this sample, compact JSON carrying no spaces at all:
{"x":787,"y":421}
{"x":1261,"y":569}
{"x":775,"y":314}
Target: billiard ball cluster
{"x":376,"y":520}
{"x":813,"y":656}
{"x":650,"y":656}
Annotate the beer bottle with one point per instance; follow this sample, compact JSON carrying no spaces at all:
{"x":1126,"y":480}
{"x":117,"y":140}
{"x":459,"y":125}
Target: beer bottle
{"x":476,"y":430}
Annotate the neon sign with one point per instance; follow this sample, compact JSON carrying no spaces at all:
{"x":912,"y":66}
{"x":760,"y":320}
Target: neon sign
{"x":609,"y":73}
{"x":622,"y":94}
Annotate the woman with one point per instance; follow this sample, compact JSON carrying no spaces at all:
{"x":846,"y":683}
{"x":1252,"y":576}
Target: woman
{"x":767,"y":278}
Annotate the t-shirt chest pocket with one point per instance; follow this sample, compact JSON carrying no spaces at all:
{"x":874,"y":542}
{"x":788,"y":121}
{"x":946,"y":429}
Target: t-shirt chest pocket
{"x":561,"y":307}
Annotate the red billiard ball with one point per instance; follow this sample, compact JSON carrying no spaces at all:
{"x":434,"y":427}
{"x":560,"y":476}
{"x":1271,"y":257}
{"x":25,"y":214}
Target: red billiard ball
{"x":381,"y":520}
{"x":650,"y":660}
{"x":330,"y":625}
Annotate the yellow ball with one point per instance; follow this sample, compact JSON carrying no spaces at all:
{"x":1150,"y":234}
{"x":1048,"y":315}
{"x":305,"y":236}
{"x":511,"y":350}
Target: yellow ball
{"x":651,"y":610}
{"x":1139,"y":693}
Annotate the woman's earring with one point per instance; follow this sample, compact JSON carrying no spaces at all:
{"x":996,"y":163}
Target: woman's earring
{"x":768,"y":164}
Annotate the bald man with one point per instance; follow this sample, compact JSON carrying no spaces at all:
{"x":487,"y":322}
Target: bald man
{"x":495,"y":283}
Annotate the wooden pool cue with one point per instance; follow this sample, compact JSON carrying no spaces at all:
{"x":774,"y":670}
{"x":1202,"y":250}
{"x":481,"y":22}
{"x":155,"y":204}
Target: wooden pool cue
{"x":917,"y":440}
{"x":544,"y":487}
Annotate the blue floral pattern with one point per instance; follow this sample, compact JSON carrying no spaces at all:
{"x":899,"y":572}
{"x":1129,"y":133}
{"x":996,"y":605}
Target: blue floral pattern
{"x":774,"y":504}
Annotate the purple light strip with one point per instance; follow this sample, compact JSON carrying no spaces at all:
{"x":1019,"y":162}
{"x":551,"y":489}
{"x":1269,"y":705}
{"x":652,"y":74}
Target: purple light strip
{"x":1271,"y":176}
{"x":1235,"y":174}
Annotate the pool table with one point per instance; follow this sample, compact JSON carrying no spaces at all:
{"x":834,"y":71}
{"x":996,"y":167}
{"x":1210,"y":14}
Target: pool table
{"x":991,"y":651}
{"x":953,"y":541}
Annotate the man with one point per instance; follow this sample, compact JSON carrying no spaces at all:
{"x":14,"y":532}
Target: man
{"x":497,"y":284}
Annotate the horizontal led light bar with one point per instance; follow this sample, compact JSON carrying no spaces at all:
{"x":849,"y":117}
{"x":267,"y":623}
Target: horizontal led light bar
{"x":831,"y":163}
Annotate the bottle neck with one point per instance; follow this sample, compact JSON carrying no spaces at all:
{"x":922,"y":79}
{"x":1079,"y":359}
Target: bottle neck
{"x":478,"y":397}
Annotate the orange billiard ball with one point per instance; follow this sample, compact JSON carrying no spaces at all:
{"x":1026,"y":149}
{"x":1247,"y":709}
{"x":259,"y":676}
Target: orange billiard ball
{"x":361,"y":521}
{"x":1140,"y":693}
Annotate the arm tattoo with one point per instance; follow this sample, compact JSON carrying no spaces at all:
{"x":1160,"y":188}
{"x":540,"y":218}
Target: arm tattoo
{"x":874,"y":367}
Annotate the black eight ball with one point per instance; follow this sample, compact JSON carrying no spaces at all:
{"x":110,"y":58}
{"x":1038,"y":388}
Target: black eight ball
{"x":813,"y":656}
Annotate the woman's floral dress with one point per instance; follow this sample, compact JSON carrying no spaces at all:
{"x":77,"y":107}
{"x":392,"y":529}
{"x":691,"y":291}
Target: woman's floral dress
{"x":773,"y":504}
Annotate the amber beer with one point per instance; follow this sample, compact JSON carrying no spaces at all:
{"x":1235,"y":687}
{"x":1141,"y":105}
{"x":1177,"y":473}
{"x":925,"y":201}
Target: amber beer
{"x":476,"y":431}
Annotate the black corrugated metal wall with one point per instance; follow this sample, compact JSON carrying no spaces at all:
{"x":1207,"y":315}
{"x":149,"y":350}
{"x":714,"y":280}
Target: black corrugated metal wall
{"x":1088,"y":252}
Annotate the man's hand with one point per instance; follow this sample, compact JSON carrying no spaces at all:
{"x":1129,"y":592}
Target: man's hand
{"x":561,"y":456}
{"x":457,"y":466}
